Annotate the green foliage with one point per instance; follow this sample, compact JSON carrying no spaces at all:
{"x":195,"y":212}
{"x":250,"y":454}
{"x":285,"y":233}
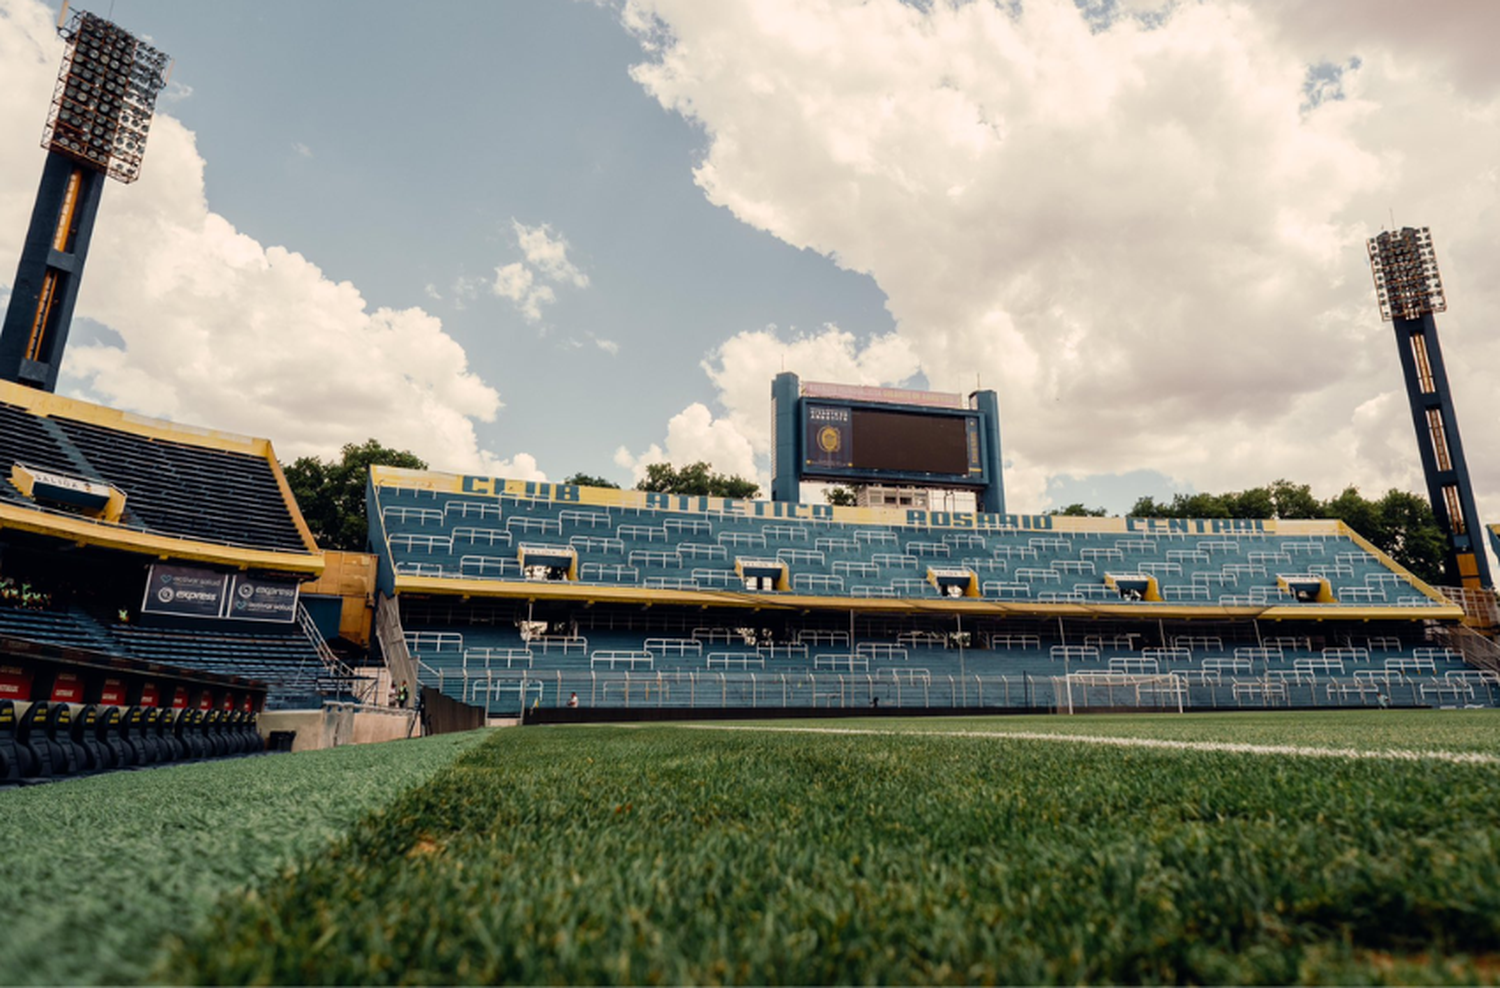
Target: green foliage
{"x":1077,"y":510}
{"x":331,"y":493}
{"x":98,"y":870}
{"x":589,"y":480}
{"x":669,"y":855}
{"x":1295,"y":500}
{"x":840,"y":497}
{"x":1399,"y":524}
{"x":695,"y":479}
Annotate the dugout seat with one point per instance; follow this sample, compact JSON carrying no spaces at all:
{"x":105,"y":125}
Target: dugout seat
{"x":109,"y":727}
{"x":133,"y":730}
{"x":190,"y":729}
{"x":219,"y":725}
{"x":254,"y":743}
{"x":32,"y":743}
{"x":88,"y":735}
{"x":239,"y":739}
{"x":171,"y":726}
{"x":60,"y":733}
{"x":85,"y":734}
{"x":157,"y":721}
{"x":10,"y":758}
{"x":211,"y":734}
{"x":181,"y":725}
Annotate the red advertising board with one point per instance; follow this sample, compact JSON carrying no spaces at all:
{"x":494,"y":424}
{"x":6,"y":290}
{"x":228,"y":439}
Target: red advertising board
{"x":67,"y":688}
{"x":15,"y":683}
{"x":150,"y":695}
{"x":180,"y":698}
{"x":113,"y":693}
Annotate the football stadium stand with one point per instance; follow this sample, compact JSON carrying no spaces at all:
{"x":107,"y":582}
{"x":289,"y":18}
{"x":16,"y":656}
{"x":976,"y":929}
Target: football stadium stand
{"x":143,"y":540}
{"x":511,"y":594}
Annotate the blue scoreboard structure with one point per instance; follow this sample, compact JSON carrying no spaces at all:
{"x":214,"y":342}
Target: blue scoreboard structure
{"x":857,"y":435}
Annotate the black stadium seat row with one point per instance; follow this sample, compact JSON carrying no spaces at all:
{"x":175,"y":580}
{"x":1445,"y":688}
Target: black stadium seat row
{"x":46,"y":740}
{"x":215,"y":495}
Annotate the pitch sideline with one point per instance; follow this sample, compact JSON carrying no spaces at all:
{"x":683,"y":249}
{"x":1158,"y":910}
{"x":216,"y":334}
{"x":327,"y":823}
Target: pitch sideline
{"x":1232,"y":747}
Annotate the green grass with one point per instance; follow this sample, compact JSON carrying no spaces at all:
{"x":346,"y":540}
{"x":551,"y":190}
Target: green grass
{"x":98,"y":870}
{"x":1361,"y":730}
{"x":670,"y":855}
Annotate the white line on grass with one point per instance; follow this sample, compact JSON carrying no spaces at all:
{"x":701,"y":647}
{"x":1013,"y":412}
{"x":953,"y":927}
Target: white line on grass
{"x":1234,"y":747}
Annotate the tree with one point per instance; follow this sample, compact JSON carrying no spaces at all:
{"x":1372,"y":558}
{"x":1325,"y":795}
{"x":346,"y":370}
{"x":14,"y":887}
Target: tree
{"x":1253,"y":503}
{"x":1295,"y":500}
{"x":331,"y":493}
{"x":1399,"y":524}
{"x":1145,"y":506}
{"x":588,"y":480}
{"x":1410,"y":535}
{"x":840,"y":497}
{"x":1077,"y":510}
{"x":695,"y":479}
{"x":1351,"y":508}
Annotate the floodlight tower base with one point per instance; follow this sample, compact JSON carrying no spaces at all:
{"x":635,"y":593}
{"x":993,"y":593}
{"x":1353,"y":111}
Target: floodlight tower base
{"x":1442,"y":451}
{"x":35,"y":330}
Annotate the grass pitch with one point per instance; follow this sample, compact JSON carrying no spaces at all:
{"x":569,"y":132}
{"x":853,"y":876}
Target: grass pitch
{"x":97,"y":871}
{"x":683,"y":855}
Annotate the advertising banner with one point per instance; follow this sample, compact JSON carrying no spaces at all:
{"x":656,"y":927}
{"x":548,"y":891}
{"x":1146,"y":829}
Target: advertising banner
{"x":187,"y":591}
{"x":184,"y":591}
{"x":67,"y":688}
{"x":256,"y":598}
{"x":112,"y":694}
{"x":15,"y":683}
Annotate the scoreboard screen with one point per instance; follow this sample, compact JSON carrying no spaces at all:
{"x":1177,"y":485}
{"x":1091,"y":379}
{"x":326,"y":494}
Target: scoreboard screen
{"x":909,"y":442}
{"x":885,"y":444}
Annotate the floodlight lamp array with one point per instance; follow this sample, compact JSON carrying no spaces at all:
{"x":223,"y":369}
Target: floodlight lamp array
{"x":105,"y":96}
{"x":1407,"y":283}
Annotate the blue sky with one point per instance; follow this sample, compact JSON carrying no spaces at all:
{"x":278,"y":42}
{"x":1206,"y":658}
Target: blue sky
{"x":394,"y":145}
{"x":547,"y":236}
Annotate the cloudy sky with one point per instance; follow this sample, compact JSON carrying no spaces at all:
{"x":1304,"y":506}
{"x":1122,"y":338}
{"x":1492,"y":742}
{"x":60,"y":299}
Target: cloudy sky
{"x":549,"y":236}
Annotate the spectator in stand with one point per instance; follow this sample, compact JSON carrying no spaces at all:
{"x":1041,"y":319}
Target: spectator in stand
{"x":572,"y":699}
{"x":404,"y":695}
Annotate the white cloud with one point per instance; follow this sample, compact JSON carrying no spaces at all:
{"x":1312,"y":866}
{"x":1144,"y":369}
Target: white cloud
{"x":741,"y":369}
{"x":694,"y":434}
{"x":175,"y":92}
{"x":463,"y":291}
{"x":548,"y":254}
{"x":301,"y":150}
{"x":608,"y":346}
{"x":513,"y":281}
{"x":220,"y":330}
{"x":1141,"y":237}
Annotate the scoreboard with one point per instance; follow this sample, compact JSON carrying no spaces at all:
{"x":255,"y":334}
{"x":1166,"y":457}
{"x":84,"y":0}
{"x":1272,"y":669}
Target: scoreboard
{"x":919,"y":444}
{"x":832,"y":433}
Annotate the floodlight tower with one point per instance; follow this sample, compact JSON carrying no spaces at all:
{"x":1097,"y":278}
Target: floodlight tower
{"x":1409,"y":290}
{"x":100,"y":116}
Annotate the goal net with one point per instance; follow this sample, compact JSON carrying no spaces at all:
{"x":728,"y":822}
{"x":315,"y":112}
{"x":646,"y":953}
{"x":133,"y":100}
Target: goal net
{"x":1144,"y":690}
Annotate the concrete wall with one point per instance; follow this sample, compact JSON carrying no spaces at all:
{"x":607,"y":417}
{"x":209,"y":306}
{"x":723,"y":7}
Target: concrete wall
{"x":338,"y":724}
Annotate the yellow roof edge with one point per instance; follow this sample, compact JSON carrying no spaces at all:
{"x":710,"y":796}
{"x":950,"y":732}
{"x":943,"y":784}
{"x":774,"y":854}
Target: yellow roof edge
{"x":107,"y":536}
{"x":291,"y":501}
{"x":46,"y":404}
{"x":1394,"y":566}
{"x":558,"y":590}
